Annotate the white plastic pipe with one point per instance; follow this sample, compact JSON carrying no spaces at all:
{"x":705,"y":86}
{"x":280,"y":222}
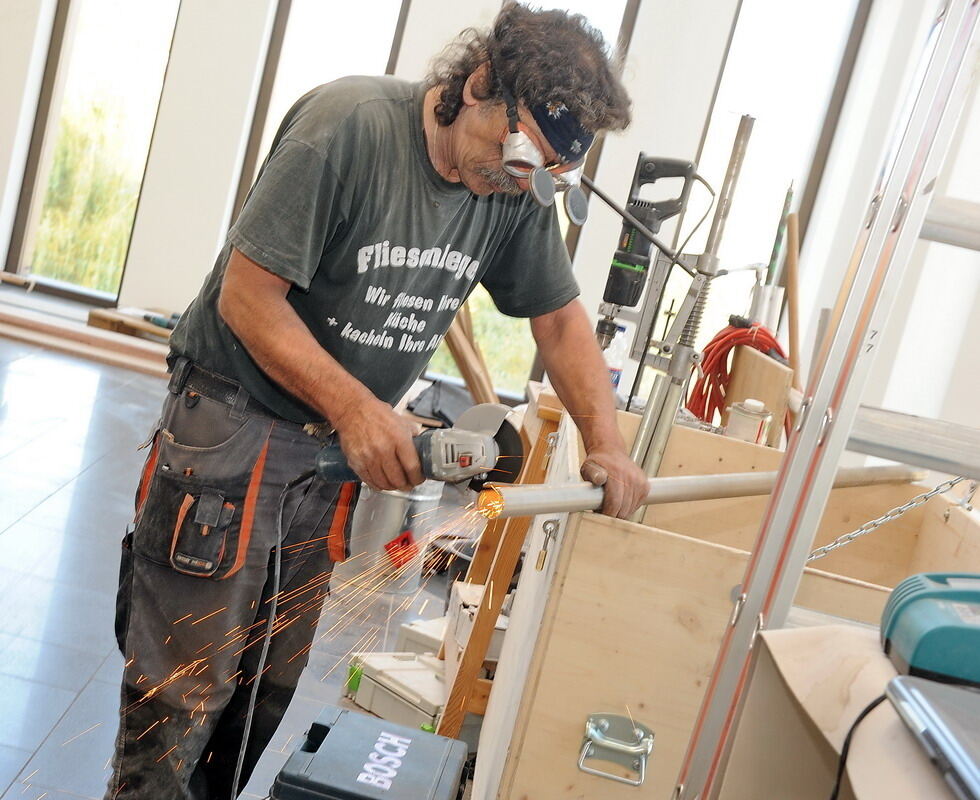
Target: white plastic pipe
{"x":502,"y":500}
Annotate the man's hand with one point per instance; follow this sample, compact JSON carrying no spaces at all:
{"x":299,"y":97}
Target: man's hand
{"x":378,"y":445}
{"x":625,"y":483}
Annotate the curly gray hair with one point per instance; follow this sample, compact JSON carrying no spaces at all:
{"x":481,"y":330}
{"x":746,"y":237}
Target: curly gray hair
{"x":541,"y":56}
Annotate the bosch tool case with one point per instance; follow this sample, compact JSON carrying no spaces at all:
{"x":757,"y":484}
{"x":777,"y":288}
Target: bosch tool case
{"x":351,"y":756}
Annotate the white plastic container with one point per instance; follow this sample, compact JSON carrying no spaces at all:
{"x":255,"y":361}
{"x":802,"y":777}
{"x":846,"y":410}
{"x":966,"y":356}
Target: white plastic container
{"x":748,"y":421}
{"x":407,"y":688}
{"x":421,"y":636}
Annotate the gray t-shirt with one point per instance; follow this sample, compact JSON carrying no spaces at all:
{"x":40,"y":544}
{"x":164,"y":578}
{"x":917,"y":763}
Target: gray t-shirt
{"x":380,"y":249}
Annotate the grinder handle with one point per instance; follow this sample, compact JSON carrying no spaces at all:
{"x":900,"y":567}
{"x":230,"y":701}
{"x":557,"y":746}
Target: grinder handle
{"x":331,"y":463}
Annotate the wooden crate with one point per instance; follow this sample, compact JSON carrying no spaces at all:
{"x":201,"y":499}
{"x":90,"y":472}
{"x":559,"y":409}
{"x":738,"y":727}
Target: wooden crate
{"x":633,"y":615}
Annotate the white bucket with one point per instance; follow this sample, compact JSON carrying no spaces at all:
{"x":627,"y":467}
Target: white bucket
{"x":387,"y":542}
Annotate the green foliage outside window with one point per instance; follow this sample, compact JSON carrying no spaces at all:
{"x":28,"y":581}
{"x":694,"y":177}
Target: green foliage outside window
{"x":89,"y":203}
{"x":507,"y":345}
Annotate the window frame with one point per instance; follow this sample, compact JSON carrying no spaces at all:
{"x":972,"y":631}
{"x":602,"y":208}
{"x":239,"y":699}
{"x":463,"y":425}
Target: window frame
{"x":32,"y":168}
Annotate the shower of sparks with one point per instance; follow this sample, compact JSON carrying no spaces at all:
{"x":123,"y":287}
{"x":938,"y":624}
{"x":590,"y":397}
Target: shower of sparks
{"x":349,"y":603}
{"x":80,"y":735}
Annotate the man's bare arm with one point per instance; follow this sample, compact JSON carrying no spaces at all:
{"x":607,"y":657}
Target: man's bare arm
{"x":575,"y":365}
{"x":376,"y":441}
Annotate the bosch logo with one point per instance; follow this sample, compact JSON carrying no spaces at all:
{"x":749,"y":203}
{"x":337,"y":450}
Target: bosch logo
{"x":383,"y":763}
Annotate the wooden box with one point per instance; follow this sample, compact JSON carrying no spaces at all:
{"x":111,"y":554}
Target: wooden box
{"x":627,"y":618}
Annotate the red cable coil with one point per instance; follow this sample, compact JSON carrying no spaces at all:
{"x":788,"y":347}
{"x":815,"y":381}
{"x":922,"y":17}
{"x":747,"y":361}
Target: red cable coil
{"x":708,"y":393}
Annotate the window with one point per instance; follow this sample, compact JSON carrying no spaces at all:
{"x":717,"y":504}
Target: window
{"x":784,"y":81}
{"x":101,"y":118}
{"x":323,"y":42}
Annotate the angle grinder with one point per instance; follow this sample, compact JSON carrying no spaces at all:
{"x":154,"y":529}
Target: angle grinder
{"x":483,"y":445}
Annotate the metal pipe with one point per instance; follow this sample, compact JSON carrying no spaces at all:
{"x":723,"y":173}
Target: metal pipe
{"x":665,"y":398}
{"x":650,"y":416}
{"x":502,"y":500}
{"x":728,"y":187}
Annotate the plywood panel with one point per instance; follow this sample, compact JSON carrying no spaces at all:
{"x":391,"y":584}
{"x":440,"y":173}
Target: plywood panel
{"x":881,"y":558}
{"x":635,"y":633}
{"x":950,"y":539}
{"x":758,"y":376}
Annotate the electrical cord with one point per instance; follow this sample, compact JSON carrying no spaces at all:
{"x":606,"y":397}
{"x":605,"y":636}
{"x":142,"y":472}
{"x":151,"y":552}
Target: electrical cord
{"x":674,"y":260}
{"x":708,"y":395}
{"x":273,"y":603}
{"x":842,"y":763}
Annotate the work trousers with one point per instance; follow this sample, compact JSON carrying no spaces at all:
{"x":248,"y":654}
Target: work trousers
{"x":196,"y":580}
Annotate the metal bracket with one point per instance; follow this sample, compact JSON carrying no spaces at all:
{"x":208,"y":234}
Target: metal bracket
{"x":550,"y":528}
{"x":615,"y":738}
{"x":825,"y":423}
{"x":804,"y":408}
{"x":737,"y":610}
{"x":966,"y":501}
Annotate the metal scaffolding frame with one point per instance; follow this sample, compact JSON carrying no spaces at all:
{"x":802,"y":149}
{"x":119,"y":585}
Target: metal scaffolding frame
{"x":831,"y":401}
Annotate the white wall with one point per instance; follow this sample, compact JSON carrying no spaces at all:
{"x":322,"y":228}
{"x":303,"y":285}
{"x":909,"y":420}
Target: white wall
{"x":671,"y":72}
{"x":932,"y":369}
{"x":432,"y":24}
{"x":195,"y":158}
{"x":25,"y":29}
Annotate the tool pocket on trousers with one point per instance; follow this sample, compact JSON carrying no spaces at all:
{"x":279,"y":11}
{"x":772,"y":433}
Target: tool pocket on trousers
{"x":196,"y":511}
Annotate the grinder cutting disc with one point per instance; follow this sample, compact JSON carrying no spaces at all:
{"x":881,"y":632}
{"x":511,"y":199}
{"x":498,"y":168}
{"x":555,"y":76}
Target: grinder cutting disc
{"x":493,"y":420}
{"x":509,"y":462}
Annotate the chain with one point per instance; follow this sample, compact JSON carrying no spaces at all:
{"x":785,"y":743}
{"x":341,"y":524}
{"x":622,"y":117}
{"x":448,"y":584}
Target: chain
{"x":888,"y":516}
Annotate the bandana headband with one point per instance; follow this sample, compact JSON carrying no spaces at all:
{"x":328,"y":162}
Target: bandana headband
{"x":563,"y":131}
{"x":558,"y":125}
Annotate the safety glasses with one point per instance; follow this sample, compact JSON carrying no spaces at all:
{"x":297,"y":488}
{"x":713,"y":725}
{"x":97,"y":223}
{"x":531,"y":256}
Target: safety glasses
{"x":522,"y":159}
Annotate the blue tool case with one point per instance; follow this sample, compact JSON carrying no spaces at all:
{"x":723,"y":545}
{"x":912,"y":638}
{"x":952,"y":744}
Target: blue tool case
{"x":351,"y":756}
{"x":931,"y":627}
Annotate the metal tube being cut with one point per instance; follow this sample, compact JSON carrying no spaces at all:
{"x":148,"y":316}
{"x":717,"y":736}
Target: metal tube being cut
{"x":502,"y":500}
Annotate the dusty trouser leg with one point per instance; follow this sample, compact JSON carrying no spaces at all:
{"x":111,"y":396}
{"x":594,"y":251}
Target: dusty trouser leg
{"x":179,"y":615}
{"x":305,"y":572}
{"x":170,"y":700}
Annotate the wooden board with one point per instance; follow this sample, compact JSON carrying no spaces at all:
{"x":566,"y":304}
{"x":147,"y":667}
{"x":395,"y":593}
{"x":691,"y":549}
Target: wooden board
{"x":756,"y":375}
{"x":882,"y":558}
{"x":807,"y":688}
{"x":950,"y":539}
{"x":62,"y":336}
{"x":506,"y":700}
{"x":130,"y":323}
{"x":638,"y":639}
{"x":633,"y":615}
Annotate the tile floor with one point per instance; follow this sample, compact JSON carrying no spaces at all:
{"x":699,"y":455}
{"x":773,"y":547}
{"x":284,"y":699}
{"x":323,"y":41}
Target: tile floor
{"x":69,"y":431}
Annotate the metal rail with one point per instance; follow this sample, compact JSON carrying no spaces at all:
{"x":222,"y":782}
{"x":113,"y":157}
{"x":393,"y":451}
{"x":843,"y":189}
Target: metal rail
{"x":881,"y":254}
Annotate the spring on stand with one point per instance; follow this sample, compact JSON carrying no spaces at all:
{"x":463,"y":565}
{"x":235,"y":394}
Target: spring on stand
{"x":693,"y":324}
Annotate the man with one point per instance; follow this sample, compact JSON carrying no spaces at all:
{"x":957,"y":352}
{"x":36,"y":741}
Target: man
{"x":380,"y":206}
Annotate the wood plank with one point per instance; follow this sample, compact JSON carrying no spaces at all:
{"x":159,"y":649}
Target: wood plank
{"x":825,"y":677}
{"x":756,"y":375}
{"x":480,"y":696}
{"x":128,"y":323}
{"x":635,"y":638}
{"x":477,"y":379}
{"x":949,"y":540}
{"x":506,"y":707}
{"x":532,"y":472}
{"x":148,"y":366}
